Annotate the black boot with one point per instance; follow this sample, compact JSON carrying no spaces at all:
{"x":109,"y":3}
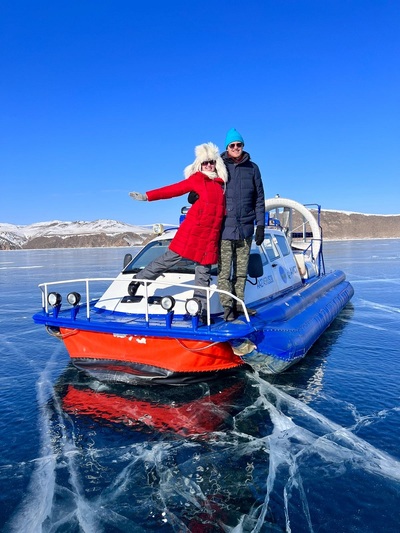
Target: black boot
{"x":203,"y":318}
{"x":133,"y":287}
{"x":250,"y":311}
{"x":229,"y":314}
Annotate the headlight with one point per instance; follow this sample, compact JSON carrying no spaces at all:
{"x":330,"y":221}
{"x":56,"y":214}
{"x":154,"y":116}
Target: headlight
{"x":158,"y":229}
{"x":54,"y":298}
{"x":74,"y":298}
{"x":193,"y":306}
{"x":167,"y":303}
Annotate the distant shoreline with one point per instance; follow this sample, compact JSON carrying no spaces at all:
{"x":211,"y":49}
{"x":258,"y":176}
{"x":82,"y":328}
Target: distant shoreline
{"x":141,"y":245}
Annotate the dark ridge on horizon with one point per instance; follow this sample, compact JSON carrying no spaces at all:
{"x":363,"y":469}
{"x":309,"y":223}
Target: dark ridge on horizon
{"x":336,"y":225}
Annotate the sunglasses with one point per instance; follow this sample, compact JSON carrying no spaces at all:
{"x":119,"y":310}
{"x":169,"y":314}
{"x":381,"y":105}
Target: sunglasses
{"x":211,"y":162}
{"x":235,"y":145}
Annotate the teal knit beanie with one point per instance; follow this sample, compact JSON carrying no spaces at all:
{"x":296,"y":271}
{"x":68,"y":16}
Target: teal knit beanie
{"x":232,"y":136}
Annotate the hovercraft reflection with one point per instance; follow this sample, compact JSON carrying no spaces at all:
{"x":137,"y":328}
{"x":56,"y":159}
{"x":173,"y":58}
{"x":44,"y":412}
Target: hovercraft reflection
{"x":155,"y":335}
{"x":206,"y":408}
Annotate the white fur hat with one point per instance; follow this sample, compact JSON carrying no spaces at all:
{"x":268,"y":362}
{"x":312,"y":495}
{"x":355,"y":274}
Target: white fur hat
{"x":207,"y":152}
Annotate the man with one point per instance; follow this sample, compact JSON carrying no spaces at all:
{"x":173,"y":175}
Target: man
{"x":245,"y":205}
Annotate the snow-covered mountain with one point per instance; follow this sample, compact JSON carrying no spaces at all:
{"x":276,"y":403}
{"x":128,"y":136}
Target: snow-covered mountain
{"x":336,"y":225}
{"x":59,"y":234}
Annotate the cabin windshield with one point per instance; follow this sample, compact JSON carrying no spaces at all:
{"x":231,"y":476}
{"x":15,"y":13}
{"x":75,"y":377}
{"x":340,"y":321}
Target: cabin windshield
{"x":270,"y":247}
{"x":155,"y":249}
{"x":283,"y":245}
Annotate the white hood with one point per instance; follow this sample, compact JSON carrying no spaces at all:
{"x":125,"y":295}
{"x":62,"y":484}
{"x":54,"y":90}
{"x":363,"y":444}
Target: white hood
{"x":207,"y":152}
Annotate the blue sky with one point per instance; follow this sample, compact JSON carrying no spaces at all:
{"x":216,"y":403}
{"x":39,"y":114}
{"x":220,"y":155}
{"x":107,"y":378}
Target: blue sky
{"x":99,"y":98}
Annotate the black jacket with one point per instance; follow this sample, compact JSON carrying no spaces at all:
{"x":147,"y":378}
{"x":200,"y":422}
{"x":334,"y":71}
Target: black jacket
{"x":245,"y":201}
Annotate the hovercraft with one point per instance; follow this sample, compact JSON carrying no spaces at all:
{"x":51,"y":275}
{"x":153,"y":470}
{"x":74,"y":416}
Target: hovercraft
{"x":155,"y":335}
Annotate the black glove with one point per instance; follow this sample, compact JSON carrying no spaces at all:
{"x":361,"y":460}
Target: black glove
{"x":192,"y":197}
{"x":259,"y":235}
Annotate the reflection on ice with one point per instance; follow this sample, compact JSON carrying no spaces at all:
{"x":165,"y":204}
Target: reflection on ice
{"x":380,"y":307}
{"x":239,"y":455}
{"x":15,"y":267}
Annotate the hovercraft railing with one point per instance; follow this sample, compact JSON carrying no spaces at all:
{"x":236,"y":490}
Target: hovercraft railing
{"x":318,"y":260}
{"x":89,"y":302}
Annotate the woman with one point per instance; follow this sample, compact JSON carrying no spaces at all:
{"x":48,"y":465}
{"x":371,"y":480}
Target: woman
{"x":198,"y":236}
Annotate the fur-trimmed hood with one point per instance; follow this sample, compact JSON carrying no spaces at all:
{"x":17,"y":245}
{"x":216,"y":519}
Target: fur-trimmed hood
{"x":207,"y":152}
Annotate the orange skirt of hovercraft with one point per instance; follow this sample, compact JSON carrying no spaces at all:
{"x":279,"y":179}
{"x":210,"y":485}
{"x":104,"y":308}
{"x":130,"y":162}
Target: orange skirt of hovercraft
{"x":179,"y":355}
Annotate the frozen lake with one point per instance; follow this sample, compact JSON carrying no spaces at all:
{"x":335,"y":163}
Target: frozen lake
{"x":316,"y":449}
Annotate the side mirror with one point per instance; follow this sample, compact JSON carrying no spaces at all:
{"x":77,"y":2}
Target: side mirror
{"x":255,"y":268}
{"x":127,"y":260}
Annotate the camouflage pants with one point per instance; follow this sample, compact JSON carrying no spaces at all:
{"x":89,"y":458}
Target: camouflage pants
{"x":232,"y":269}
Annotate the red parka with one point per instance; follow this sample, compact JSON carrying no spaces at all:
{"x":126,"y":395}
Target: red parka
{"x":198,"y":236}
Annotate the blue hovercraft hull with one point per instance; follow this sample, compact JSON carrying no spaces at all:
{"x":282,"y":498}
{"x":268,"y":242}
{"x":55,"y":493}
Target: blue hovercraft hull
{"x":290,"y":325}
